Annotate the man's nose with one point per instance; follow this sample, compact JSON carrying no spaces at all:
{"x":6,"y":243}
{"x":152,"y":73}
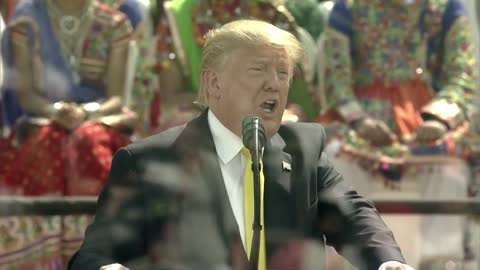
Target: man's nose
{"x":272,"y":82}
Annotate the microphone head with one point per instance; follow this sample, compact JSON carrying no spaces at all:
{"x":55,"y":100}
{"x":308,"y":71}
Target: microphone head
{"x":250,"y":126}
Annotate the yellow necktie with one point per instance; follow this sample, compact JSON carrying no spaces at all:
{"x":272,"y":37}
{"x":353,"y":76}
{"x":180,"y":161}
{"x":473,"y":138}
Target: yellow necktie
{"x":249,"y":210}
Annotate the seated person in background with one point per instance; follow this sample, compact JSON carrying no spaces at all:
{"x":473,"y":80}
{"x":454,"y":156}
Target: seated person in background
{"x":246,"y":69}
{"x":66,"y":63}
{"x":401,"y":74}
{"x":401,"y":79}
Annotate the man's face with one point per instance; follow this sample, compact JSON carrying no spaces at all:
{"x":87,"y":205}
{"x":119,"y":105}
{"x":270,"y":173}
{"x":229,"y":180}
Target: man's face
{"x":254,"y":81}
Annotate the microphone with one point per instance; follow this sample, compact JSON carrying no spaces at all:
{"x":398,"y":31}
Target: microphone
{"x":253,"y":133}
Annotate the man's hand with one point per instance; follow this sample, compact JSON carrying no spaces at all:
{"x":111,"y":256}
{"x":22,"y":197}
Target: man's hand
{"x":115,"y":266}
{"x":375,"y":131}
{"x":430,"y":131}
{"x":393,"y":265}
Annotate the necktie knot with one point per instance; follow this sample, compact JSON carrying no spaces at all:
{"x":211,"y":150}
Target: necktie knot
{"x":246,"y":152}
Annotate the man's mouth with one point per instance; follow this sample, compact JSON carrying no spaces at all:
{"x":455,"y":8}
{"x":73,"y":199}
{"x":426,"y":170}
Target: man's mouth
{"x":269,"y":105}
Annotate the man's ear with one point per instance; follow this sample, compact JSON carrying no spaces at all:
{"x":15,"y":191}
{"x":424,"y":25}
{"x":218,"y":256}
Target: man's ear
{"x":213,"y":84}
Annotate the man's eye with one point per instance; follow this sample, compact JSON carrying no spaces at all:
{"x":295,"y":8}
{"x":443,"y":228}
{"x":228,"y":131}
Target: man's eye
{"x":283,"y":74}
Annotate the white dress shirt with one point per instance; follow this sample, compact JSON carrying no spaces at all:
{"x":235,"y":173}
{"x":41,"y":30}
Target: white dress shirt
{"x":232,"y":164}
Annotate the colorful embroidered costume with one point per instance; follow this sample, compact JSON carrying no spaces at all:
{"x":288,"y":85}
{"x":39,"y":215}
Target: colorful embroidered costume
{"x":55,"y":161}
{"x":394,"y":62}
{"x":401,"y":61}
{"x":52,"y":160}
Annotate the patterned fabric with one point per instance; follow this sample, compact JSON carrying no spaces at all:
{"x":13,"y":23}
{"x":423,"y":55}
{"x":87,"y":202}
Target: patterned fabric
{"x":145,"y":79}
{"x":165,"y":49}
{"x":90,"y":150}
{"x":51,"y":160}
{"x":371,"y":42}
{"x":387,"y":102}
{"x":102,"y":38}
{"x":7,"y":157}
{"x":108,"y":30}
{"x":457,"y":77}
{"x":40,"y":242}
{"x":309,"y":14}
{"x":55,"y":162}
{"x":219,"y":13}
{"x":144,"y":76}
{"x":41,"y":165}
{"x":391,"y":60}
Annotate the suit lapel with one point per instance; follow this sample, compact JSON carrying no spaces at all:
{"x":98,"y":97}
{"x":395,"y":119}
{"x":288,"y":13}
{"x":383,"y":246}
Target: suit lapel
{"x":279,"y":204}
{"x":277,"y":164}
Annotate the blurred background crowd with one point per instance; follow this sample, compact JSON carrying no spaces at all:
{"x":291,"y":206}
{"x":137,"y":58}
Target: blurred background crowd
{"x":395,"y":83}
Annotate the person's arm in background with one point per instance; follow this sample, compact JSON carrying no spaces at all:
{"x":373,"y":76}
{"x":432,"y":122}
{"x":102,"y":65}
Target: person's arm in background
{"x":457,"y":77}
{"x":112,"y":112}
{"x":116,"y":69}
{"x":337,"y":91}
{"x":144,"y":82}
{"x":338,"y":85}
{"x":26,"y":65}
{"x":68,"y":115}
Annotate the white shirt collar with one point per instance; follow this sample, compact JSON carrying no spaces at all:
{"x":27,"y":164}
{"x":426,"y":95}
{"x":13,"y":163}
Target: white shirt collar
{"x":227,"y":143}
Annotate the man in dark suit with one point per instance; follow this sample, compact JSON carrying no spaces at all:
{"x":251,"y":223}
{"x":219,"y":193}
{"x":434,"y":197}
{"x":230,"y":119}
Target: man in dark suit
{"x":176,"y":198}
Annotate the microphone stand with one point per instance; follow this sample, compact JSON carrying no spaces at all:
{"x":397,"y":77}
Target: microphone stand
{"x":257,"y":226}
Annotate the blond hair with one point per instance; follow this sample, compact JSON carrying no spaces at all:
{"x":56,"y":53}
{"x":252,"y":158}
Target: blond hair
{"x":219,"y":43}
